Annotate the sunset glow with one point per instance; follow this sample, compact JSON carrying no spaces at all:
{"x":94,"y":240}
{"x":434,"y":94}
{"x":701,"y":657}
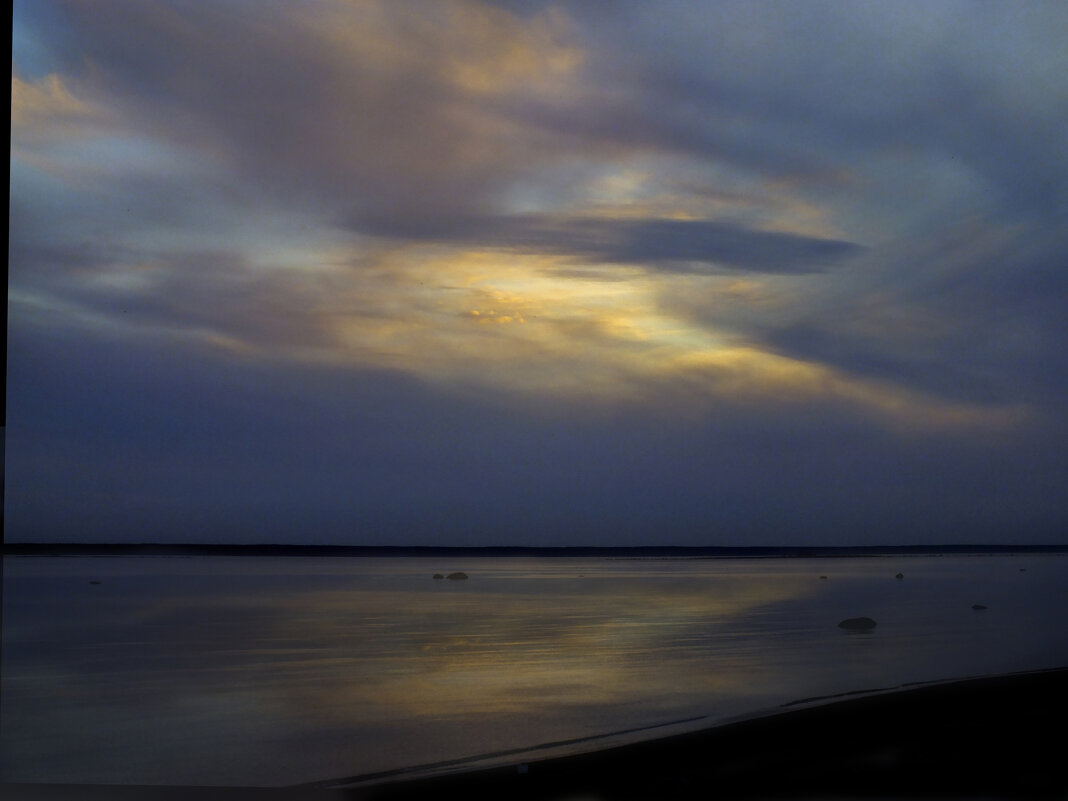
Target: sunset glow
{"x":758,"y":229}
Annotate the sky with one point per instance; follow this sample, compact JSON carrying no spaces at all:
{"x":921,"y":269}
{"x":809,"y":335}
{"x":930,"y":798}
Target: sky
{"x":586,"y":272}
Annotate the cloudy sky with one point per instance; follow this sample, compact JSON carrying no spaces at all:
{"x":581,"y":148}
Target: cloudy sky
{"x":538,"y":273}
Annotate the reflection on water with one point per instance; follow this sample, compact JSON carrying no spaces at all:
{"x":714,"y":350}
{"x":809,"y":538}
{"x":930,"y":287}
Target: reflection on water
{"x":271,"y":671}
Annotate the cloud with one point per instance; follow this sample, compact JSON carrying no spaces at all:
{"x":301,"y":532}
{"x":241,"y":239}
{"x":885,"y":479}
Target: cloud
{"x":767,"y":248}
{"x":667,"y":244}
{"x":982,"y":326}
{"x":371,"y":104}
{"x":830,"y":83}
{"x":46,"y":109}
{"x":422,"y":109}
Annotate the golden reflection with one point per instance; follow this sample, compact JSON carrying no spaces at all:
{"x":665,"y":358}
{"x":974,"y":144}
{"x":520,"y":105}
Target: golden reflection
{"x":494,"y":652}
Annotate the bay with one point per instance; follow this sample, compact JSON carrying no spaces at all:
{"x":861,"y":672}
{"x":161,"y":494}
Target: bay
{"x":267,"y":671}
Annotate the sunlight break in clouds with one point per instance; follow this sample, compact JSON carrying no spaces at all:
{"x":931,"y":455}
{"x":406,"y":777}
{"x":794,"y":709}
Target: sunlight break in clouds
{"x":565,"y":335}
{"x":761,"y":216}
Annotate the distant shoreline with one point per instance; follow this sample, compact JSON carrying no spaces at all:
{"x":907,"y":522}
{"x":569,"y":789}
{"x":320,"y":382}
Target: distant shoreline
{"x":633,"y":552}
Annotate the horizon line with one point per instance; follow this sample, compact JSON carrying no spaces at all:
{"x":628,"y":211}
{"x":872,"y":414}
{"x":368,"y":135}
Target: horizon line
{"x":172,"y":548}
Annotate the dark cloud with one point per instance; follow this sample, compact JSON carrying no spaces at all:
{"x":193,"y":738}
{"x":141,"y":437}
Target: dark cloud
{"x":222,"y":294}
{"x":827,"y":84}
{"x":673,"y":245}
{"x":986,"y":327}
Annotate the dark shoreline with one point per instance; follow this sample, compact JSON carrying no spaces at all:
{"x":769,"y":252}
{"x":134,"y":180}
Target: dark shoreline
{"x":635,"y":552}
{"x":986,"y":737}
{"x":990,"y":737}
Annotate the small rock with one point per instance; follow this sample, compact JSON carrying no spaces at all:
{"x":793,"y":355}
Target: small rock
{"x":438,"y":576}
{"x":978,"y":607}
{"x":900,"y":576}
{"x":459,"y":574}
{"x":823,"y":577}
{"x":94,"y":582}
{"x":857,"y":623}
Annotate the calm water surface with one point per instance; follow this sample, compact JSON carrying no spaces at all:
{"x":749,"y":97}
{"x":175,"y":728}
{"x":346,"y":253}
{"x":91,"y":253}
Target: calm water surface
{"x":270,"y":671}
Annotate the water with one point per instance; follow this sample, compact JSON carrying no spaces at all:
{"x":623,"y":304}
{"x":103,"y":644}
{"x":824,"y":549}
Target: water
{"x":271,"y":671}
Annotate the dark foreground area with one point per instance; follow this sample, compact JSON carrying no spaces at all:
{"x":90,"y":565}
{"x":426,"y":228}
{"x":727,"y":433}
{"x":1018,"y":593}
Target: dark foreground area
{"x":984,"y":738}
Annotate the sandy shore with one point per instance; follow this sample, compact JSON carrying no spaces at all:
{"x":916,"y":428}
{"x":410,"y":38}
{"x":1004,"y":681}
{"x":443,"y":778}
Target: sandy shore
{"x":993,"y":737}
{"x":983,"y":738}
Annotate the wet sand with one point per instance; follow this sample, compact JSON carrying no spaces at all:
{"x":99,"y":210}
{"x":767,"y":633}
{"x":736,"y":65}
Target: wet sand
{"x":993,"y":737}
{"x":982,"y":738}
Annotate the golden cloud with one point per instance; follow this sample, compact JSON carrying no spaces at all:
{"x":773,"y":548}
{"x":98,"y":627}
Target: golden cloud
{"x":46,"y":110}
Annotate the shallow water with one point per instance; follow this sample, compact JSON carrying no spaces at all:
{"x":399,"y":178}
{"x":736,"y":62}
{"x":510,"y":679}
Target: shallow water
{"x":269,"y":671}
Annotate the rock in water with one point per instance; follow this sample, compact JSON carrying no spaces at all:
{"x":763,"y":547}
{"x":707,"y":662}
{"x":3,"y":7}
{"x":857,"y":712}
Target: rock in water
{"x":857,"y":623}
{"x":438,"y":576}
{"x":459,"y":574}
{"x":978,"y":607}
{"x":900,"y":575}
